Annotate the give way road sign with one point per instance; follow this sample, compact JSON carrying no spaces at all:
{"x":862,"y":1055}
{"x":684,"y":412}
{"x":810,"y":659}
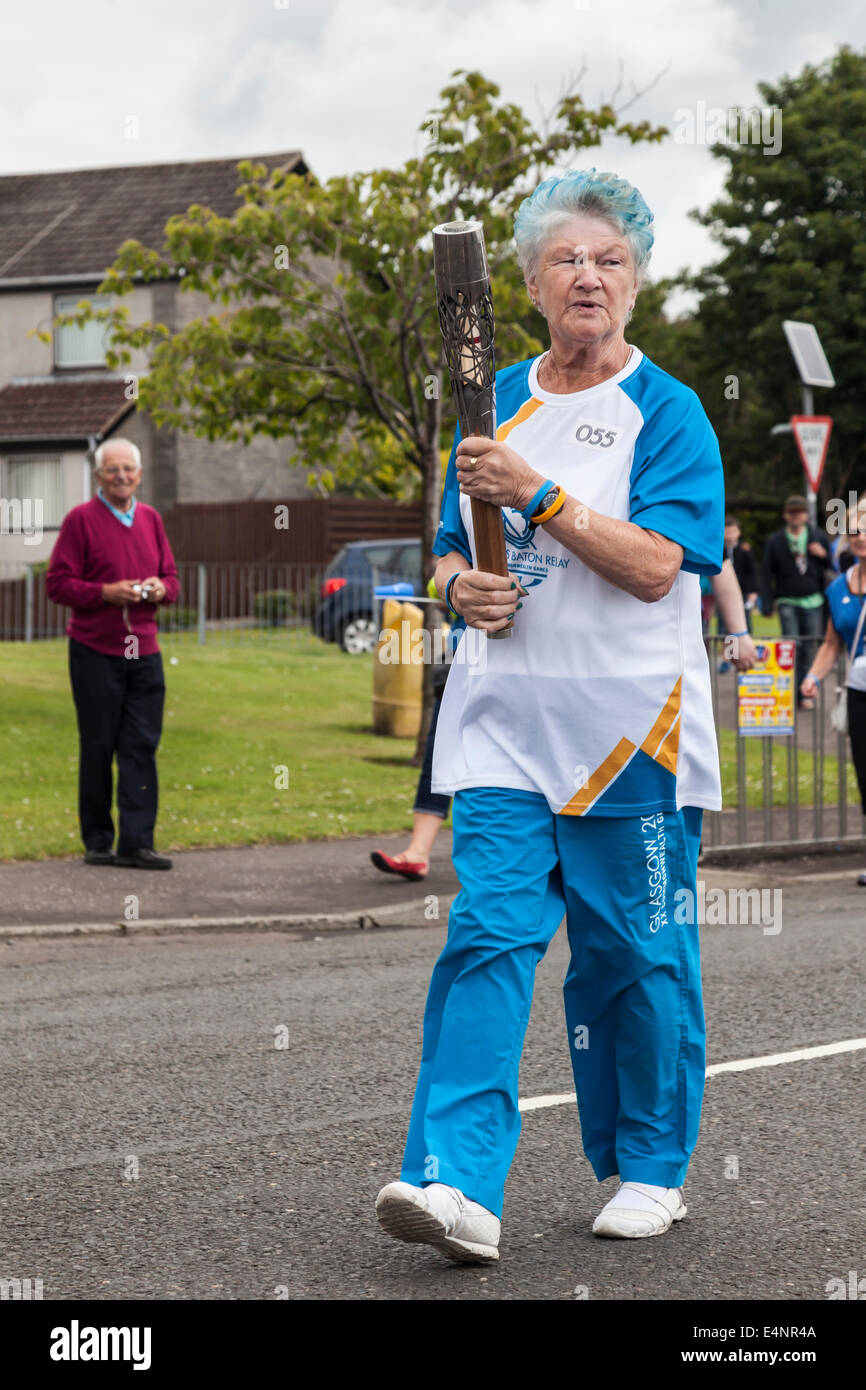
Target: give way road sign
{"x":812,"y":433}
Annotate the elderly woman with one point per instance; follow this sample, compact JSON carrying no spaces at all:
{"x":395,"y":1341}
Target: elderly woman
{"x":581,"y":752}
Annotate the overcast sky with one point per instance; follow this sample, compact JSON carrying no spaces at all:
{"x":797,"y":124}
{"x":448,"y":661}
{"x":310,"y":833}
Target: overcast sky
{"x":348,"y":82}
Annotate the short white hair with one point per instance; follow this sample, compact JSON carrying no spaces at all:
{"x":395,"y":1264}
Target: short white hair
{"x":107,"y":444}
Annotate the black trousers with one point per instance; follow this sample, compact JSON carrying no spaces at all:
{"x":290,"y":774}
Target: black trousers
{"x":803,"y":623}
{"x":430,"y":802}
{"x":857,"y":735}
{"x":119,"y":704}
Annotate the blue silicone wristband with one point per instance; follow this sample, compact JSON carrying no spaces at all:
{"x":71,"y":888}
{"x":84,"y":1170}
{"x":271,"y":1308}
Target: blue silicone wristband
{"x":529,"y":512}
{"x":448,"y":602}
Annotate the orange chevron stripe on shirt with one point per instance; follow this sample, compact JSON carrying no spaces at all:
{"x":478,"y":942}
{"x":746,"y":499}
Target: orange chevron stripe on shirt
{"x":528,"y":408}
{"x":661,"y":743}
{"x":600,"y":779}
{"x":663,"y":725}
{"x":666,"y":753}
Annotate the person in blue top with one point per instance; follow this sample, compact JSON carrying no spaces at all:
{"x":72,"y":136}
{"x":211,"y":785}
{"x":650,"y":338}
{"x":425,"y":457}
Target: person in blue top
{"x":846,"y":624}
{"x":841,"y":554}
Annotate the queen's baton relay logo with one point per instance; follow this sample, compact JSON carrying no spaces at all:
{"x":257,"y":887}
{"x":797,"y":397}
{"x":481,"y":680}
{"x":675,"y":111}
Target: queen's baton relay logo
{"x":524,"y":557}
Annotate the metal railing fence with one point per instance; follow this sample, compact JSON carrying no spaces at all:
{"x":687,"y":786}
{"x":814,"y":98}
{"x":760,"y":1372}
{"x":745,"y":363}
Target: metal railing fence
{"x":792,"y":789}
{"x":796,"y":790}
{"x":233,"y":603}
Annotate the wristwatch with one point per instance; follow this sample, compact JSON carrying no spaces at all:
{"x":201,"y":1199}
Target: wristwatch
{"x":547,"y":501}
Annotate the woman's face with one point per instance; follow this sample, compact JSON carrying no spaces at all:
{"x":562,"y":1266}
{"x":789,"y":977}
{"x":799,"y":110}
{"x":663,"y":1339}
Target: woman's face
{"x":857,"y":535}
{"x":590,"y":301}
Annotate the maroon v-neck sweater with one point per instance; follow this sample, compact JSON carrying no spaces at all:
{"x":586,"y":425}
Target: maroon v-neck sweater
{"x":94,"y":548}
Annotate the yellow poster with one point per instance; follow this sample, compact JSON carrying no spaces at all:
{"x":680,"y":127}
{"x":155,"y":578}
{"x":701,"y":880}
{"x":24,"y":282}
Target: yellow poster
{"x":765,"y":693}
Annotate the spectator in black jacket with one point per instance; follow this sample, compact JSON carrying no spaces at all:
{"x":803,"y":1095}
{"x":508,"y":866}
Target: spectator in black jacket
{"x":795,"y":559}
{"x":742,"y":557}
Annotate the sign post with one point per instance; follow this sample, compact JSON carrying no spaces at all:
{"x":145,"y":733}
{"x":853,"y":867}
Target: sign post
{"x":814,"y":370}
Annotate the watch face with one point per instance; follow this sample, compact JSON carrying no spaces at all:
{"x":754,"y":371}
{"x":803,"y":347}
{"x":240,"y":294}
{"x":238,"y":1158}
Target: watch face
{"x":548,"y":499}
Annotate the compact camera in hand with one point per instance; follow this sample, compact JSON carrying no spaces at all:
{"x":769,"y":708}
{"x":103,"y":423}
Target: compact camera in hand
{"x":144,"y":589}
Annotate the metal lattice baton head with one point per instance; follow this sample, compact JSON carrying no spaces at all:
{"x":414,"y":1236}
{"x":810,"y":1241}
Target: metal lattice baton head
{"x":466,"y":321}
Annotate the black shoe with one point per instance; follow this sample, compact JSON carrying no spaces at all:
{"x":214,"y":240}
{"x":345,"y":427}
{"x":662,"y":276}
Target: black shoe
{"x":99,"y":856}
{"x":862,"y":880}
{"x":142,"y":859}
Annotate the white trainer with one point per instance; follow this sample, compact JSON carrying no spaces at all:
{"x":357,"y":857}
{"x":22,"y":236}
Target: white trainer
{"x":651,"y":1217}
{"x":440,"y":1216}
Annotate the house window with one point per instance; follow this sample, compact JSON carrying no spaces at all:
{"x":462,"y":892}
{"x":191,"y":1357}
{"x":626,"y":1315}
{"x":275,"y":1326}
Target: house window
{"x":80,"y":347}
{"x":33,"y":480}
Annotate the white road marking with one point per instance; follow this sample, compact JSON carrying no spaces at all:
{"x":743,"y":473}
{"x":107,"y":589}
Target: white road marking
{"x":775,"y":1059}
{"x":803,"y":1054}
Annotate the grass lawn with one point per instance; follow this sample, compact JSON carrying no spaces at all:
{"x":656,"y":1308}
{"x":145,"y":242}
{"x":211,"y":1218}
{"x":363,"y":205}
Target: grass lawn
{"x":755,"y":776}
{"x":764,"y":627}
{"x":234,"y":715}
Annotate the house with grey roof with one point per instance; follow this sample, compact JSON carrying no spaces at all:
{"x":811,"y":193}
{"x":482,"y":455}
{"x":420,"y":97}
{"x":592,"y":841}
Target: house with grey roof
{"x":59,"y":233}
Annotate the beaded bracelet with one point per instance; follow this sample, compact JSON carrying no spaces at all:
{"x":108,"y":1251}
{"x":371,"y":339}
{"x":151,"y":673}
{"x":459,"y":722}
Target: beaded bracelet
{"x":448,"y":588}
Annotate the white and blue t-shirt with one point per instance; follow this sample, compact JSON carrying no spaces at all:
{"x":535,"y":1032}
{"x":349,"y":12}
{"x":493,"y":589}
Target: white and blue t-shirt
{"x":599,"y":701}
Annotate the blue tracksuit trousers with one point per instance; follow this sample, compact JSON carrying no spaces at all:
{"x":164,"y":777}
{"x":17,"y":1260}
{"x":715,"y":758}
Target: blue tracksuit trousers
{"x":633,"y":1006}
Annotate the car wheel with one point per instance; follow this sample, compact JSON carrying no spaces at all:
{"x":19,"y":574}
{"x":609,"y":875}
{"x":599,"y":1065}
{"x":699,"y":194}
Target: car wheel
{"x":359,"y":635}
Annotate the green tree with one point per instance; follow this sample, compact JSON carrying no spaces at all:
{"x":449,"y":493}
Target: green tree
{"x":324,"y":326}
{"x":793,"y":229}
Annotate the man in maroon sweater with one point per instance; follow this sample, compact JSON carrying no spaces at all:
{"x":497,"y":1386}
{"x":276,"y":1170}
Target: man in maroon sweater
{"x":112,"y":564}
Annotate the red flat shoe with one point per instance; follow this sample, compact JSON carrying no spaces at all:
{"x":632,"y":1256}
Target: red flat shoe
{"x":394,"y":866}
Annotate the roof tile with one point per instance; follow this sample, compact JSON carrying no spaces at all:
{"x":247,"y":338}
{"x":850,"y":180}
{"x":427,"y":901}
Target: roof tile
{"x":48,"y":410}
{"x":73,"y":221}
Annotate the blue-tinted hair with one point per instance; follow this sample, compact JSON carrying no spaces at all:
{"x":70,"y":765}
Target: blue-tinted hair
{"x":583,"y":191}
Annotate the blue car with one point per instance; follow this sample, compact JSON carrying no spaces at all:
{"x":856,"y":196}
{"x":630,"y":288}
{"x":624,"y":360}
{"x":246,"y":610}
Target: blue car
{"x":345,"y":610}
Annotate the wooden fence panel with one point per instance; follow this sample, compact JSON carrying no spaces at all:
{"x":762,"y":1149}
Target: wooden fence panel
{"x":245,"y":532}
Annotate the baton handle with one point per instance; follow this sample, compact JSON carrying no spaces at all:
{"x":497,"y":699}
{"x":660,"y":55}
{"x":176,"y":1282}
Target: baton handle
{"x":489,"y":538}
{"x":490,"y":544}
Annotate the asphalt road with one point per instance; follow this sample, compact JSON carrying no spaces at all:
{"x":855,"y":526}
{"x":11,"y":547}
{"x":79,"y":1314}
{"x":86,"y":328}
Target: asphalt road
{"x":257,"y":1165}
